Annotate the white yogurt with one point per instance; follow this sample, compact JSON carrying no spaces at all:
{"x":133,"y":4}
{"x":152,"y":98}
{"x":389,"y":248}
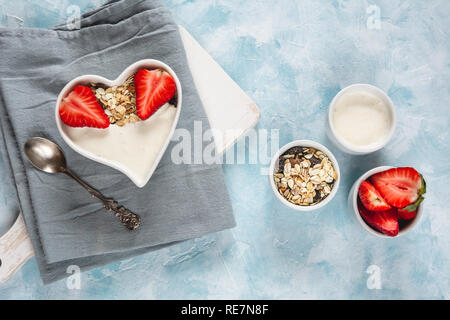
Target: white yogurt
{"x":361,"y":119}
{"x":135,"y":146}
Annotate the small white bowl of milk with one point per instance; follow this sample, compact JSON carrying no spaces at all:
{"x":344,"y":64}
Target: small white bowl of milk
{"x":361,"y":119}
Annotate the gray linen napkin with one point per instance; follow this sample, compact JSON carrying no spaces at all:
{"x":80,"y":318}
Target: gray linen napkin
{"x":67,"y":226}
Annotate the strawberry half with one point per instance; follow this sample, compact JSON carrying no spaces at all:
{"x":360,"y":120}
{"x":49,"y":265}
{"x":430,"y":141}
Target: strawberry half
{"x":406,"y":215}
{"x":383,"y":221}
{"x":409,"y":212}
{"x":154,"y":88}
{"x":81,"y":109}
{"x":400,"y":187}
{"x":371,"y":198}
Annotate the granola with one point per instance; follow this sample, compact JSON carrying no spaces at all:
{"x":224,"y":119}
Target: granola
{"x":119,"y":102}
{"x":305,"y":176}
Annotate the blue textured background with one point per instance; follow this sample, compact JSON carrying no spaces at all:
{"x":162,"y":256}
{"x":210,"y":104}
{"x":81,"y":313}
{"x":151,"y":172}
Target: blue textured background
{"x":292,"y":57}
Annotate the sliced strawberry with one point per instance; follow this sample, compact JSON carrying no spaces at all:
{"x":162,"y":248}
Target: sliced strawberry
{"x":410,"y":211}
{"x":371,"y":198}
{"x":400,"y":187}
{"x":154,"y":88}
{"x":383,"y":221}
{"x":406,"y":215}
{"x":81,"y":109}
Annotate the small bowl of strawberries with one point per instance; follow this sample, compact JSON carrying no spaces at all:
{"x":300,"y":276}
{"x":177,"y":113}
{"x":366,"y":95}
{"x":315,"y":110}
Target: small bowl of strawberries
{"x":388,"y":201}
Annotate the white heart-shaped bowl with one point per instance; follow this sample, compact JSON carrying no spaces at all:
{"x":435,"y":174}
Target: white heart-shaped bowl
{"x":139,"y":179}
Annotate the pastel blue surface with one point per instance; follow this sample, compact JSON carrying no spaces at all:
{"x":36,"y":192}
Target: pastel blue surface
{"x":292,"y":57}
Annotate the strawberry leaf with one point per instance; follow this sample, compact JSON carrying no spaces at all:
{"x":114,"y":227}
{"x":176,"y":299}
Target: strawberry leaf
{"x":413,"y":207}
{"x":423,"y":188}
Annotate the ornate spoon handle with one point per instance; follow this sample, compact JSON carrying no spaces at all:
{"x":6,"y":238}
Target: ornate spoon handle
{"x":129,"y":219}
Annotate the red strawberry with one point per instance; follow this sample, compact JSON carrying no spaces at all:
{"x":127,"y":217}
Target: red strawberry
{"x":371,"y":198}
{"x":410,"y":211}
{"x":154,"y":88}
{"x":383,"y":221}
{"x":400,"y":187}
{"x":406,"y":215}
{"x":81,"y":109}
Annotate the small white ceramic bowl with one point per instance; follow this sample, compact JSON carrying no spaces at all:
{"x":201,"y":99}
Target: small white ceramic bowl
{"x":360,"y":150}
{"x":315,"y":145}
{"x":353,"y":206}
{"x":139,"y":180}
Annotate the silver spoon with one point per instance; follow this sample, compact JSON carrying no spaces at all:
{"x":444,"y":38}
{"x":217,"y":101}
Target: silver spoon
{"x":48,"y":157}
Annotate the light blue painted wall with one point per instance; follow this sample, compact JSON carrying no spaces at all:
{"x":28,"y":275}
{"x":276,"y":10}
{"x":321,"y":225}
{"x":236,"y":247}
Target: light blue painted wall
{"x":292,"y":57}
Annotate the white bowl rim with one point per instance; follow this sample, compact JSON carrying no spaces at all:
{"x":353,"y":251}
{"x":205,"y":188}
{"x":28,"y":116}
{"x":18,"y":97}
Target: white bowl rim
{"x":304,"y":143}
{"x":373,"y":147}
{"x":365,"y":226}
{"x":84,"y":79}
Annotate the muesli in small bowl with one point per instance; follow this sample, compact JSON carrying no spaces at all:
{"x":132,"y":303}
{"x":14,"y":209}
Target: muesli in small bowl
{"x":304,"y":175}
